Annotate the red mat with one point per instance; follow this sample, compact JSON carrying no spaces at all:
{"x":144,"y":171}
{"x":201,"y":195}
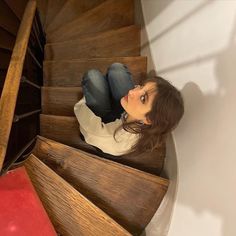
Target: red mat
{"x":21,"y":211}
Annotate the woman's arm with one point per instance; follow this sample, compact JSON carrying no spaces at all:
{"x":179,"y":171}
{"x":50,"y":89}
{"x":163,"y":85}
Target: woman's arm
{"x":100,"y":134}
{"x":91,"y":123}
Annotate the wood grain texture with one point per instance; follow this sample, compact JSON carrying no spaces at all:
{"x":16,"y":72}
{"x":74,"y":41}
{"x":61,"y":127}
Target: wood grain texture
{"x":116,"y":189}
{"x":71,"y":213}
{"x":70,"y":11}
{"x":113,"y":43}
{"x":59,"y":100}
{"x":11,"y":86}
{"x":111,"y":14}
{"x":42,"y":7}
{"x":68,"y":73}
{"x":65,"y":129}
{"x":53,"y":7}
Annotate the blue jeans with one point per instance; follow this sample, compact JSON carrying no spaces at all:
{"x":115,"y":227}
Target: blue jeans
{"x":103,"y":93}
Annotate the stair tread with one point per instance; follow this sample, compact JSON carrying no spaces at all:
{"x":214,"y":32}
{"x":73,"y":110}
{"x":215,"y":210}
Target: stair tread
{"x":60,"y":198}
{"x":53,"y":7}
{"x":51,"y":126}
{"x":60,"y":100}
{"x":8,"y":20}
{"x":112,"y":43}
{"x":110,"y":14}
{"x":83,"y":171}
{"x":42,"y":7}
{"x":65,"y":129}
{"x":70,"y":72}
{"x":70,"y":11}
{"x":17,"y":7}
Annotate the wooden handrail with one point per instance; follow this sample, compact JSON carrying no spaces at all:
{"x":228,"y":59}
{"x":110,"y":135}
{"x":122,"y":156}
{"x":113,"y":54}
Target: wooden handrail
{"x":13,"y":77}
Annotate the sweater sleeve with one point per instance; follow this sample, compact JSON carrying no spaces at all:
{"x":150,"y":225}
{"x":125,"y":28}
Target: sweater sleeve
{"x":91,"y":123}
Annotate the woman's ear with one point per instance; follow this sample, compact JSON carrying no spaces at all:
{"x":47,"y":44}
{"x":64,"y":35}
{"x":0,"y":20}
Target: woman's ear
{"x":146,"y":121}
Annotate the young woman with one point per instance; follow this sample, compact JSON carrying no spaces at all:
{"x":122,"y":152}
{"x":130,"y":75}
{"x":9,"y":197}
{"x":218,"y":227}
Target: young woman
{"x":118,"y":117}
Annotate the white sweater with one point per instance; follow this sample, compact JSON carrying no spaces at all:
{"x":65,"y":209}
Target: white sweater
{"x":100,"y":134}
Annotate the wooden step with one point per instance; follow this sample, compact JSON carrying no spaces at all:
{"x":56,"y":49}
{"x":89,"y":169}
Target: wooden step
{"x":42,"y":6}
{"x":53,"y":7}
{"x":7,"y":41}
{"x":18,"y":7}
{"x":113,"y":43}
{"x":70,"y":212}
{"x":8,"y":20}
{"x":69,"y":73}
{"x":65,"y":129}
{"x":70,"y":11}
{"x":117,"y":189}
{"x":111,"y":14}
{"x":60,"y":100}
{"x":59,"y":129}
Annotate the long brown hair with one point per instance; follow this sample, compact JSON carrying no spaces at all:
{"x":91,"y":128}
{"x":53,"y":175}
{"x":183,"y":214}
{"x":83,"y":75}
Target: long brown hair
{"x":166,"y":112}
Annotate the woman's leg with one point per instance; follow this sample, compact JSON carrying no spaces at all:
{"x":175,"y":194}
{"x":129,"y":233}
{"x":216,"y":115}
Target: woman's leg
{"x":97,"y":92}
{"x":120,"y":82}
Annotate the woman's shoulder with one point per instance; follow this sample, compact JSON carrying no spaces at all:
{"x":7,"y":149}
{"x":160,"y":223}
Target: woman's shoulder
{"x":123,"y":135}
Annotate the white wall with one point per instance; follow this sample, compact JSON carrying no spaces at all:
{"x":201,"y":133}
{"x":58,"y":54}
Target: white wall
{"x":193,"y":44}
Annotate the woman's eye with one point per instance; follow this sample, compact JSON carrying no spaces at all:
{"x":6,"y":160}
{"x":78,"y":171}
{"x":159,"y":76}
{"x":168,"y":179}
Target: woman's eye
{"x":142,"y":99}
{"x":138,"y":86}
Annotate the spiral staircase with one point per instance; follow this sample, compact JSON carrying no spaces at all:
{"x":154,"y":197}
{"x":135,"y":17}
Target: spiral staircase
{"x":85,"y":192}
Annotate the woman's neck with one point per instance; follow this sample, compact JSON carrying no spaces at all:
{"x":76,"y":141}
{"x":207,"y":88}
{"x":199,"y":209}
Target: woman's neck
{"x":130,"y":118}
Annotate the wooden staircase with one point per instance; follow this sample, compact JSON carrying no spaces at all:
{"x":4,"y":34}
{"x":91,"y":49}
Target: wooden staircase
{"x":109,"y":15}
{"x":70,"y":212}
{"x":84,"y":192}
{"x":73,"y":70}
{"x":114,"y":188}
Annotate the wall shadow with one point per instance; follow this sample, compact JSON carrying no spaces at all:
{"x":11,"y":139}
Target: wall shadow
{"x":178,"y":22}
{"x":215,"y":184}
{"x":197,"y":106}
{"x":163,"y":4}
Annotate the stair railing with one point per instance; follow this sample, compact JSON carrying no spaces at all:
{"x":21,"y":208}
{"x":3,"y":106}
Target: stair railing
{"x":14,"y":78}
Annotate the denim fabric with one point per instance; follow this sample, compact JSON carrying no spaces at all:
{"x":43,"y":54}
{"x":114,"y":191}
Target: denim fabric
{"x":103,"y":93}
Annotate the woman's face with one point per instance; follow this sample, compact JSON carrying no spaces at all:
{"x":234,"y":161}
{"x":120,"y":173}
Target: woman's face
{"x":138,"y":102}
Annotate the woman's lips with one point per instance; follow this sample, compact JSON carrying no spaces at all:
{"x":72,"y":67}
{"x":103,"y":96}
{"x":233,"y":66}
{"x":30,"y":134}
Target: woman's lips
{"x":126,"y":98}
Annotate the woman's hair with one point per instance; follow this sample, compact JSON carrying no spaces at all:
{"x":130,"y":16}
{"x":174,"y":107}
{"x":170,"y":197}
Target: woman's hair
{"x":166,"y":112}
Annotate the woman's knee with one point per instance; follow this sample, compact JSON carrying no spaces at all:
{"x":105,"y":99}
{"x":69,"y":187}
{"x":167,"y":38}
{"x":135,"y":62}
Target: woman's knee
{"x":117,"y":66}
{"x":94,"y":85}
{"x":120,"y":80}
{"x":92,"y":75}
{"x":118,"y":71}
